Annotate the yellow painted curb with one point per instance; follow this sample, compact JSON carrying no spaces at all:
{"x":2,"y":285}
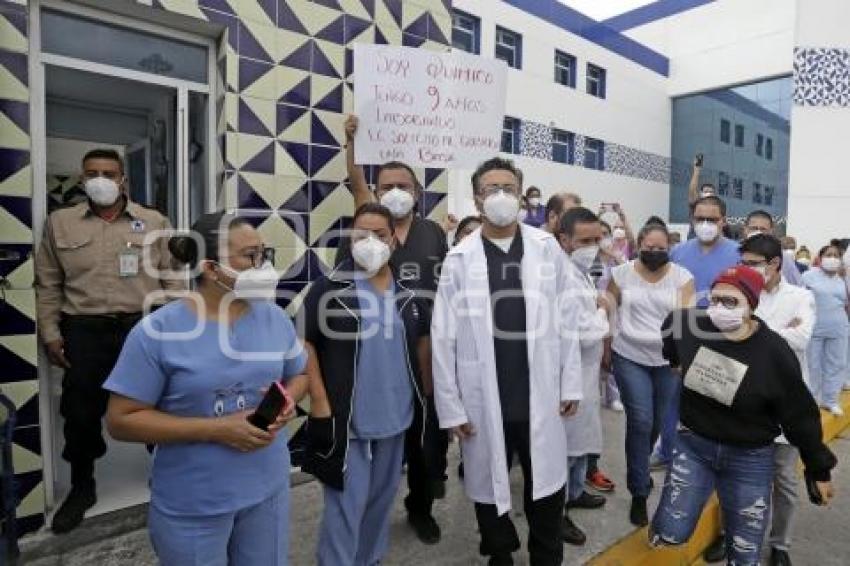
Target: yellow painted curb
{"x":634,"y":550}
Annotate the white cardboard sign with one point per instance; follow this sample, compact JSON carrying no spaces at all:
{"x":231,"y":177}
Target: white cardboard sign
{"x":427,"y":108}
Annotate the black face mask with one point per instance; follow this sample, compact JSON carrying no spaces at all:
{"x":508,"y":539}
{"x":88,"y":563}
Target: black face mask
{"x":654,"y":259}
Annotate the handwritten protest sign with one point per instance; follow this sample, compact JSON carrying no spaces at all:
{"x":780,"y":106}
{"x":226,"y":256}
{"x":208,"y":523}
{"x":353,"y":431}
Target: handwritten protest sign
{"x":426,"y":108}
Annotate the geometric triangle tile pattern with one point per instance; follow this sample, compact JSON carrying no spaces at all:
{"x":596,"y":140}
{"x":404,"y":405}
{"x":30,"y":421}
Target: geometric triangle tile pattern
{"x":283,"y":82}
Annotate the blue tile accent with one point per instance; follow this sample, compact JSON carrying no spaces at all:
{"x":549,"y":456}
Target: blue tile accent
{"x":652,"y":12}
{"x":583,"y":26}
{"x":821,"y":76}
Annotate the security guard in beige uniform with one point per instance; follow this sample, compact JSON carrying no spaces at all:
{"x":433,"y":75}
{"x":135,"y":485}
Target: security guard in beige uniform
{"x":91,"y":284}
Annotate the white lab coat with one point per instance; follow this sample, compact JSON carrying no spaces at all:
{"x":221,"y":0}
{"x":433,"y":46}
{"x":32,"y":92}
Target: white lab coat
{"x":464,"y":365}
{"x":584,"y":429}
{"x":778,"y":308}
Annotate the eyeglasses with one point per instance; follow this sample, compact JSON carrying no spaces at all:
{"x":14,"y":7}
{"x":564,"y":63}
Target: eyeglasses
{"x":754,"y":263}
{"x":260,"y":257}
{"x":490,"y":190}
{"x":712,"y":219}
{"x":725,"y":300}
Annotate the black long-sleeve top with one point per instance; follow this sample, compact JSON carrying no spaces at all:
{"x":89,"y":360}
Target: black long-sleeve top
{"x":744,"y":393}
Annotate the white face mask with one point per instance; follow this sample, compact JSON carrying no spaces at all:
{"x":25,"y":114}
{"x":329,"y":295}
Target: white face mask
{"x":521,"y":215}
{"x":256,"y":283}
{"x":726,"y":320}
{"x":371,"y":254}
{"x":706,"y":231}
{"x":583,"y":258}
{"x":830,"y":264}
{"x":804,"y":261}
{"x":501,"y":209}
{"x":606,"y":244}
{"x":398,"y":201}
{"x":102,"y":191}
{"x":619,"y":233}
{"x":708,"y":193}
{"x":534,"y":201}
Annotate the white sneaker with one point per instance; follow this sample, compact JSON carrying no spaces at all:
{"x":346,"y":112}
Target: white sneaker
{"x":836,"y":410}
{"x":617,"y":406}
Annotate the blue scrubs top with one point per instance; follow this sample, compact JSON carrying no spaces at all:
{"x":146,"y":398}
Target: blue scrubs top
{"x":705,"y":267}
{"x":189,"y":368}
{"x":383,"y":395}
{"x":830,"y":299}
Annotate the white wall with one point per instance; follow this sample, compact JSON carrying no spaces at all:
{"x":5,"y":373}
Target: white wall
{"x":724,"y":43}
{"x":635,"y":112}
{"x":819,"y":195}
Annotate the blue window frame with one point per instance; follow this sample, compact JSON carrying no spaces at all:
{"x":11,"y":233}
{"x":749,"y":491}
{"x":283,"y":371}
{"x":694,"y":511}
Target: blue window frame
{"x":768,"y":149}
{"x":594,"y":154}
{"x":759,"y":144}
{"x":738,"y":188}
{"x":509,"y":47}
{"x":725,"y":130}
{"x":510,"y":135}
{"x":757,"y":198}
{"x":768,"y":196}
{"x":565,"y":69}
{"x":466,"y":32}
{"x":596,"y":79}
{"x":739,"y":135}
{"x":563,"y":146}
{"x":722,"y":183}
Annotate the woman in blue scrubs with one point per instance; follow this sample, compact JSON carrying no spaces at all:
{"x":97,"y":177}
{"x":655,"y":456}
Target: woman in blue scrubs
{"x":188,"y":377}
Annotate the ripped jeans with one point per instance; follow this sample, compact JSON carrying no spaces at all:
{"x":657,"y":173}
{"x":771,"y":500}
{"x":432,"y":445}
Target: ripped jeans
{"x":743,"y":478}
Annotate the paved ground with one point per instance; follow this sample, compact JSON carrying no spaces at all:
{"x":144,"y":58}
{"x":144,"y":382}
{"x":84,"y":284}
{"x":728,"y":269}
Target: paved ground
{"x":820,"y":534}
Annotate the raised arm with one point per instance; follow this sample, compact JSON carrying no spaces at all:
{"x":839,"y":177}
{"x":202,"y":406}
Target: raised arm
{"x":693,"y":187}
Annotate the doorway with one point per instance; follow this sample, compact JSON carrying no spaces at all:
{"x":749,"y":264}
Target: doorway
{"x":144,"y":92}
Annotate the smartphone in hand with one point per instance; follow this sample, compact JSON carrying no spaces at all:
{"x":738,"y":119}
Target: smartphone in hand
{"x":813,"y":491}
{"x":699,"y":159}
{"x":274,"y":402}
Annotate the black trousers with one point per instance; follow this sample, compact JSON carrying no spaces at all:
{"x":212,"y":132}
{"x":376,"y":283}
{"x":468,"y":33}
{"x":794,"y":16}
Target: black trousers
{"x":426,"y":464}
{"x":498,"y":533}
{"x":92,"y":346}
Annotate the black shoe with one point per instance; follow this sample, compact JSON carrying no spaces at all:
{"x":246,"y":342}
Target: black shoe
{"x":717,"y":551}
{"x":73,"y":509}
{"x":779,"y":557}
{"x":501,"y":560}
{"x":586,"y":501}
{"x":571,"y":533}
{"x":637,"y":513}
{"x":426,"y":528}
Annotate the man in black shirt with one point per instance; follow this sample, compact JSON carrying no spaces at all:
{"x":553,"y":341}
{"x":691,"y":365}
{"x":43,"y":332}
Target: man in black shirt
{"x":742,"y":387}
{"x":419,"y":253}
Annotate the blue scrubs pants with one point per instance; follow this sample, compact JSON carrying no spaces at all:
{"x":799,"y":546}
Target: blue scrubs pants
{"x":356,"y":521}
{"x":248,"y":537}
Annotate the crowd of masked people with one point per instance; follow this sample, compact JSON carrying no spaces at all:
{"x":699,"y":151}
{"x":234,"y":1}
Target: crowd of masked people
{"x":508,"y":332}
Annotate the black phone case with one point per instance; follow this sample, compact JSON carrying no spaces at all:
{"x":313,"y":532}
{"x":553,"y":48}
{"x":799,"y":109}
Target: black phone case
{"x":814,"y":493}
{"x":268,"y":409}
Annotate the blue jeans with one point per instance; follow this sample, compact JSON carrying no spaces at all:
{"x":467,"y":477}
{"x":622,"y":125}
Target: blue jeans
{"x":648,"y":394}
{"x":577,"y":473}
{"x":743,"y":478}
{"x":827,"y":367}
{"x":255,"y":535}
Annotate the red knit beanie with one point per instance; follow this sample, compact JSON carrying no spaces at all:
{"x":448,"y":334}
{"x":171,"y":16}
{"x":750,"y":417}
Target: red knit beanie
{"x":746,"y":279}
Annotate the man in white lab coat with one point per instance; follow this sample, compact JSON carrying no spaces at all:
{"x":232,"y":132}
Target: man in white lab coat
{"x":507,"y":366}
{"x":579,"y":235}
{"x":790,"y":312}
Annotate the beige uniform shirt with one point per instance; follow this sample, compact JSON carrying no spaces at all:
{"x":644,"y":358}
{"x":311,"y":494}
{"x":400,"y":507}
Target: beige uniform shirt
{"x":78,"y":268}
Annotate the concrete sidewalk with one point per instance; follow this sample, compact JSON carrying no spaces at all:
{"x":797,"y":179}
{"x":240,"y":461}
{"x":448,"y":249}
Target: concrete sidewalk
{"x":820,"y":537}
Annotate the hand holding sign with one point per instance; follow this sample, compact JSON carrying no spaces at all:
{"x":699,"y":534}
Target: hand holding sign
{"x":426,"y":108}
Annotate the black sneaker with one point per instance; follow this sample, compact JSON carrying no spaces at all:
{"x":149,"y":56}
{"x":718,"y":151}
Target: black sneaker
{"x":717,"y":551}
{"x":779,"y":557}
{"x":571,"y":533}
{"x":501,"y":560}
{"x":586,"y":501}
{"x":637,"y":513}
{"x":73,"y":509}
{"x":425,"y":526}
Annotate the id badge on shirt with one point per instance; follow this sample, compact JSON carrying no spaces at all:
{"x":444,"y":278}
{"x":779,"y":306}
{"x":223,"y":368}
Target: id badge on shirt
{"x":128,"y":262}
{"x":716,"y":376}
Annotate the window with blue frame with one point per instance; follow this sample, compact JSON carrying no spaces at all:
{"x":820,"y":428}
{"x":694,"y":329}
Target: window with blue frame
{"x":594,"y":154}
{"x":739,"y":135}
{"x":563,"y":146}
{"x":466,"y":32}
{"x":722,"y":183}
{"x":509,"y":47}
{"x":757,"y":193}
{"x":768,"y":195}
{"x":738,"y":188}
{"x":725,"y":130}
{"x":565,"y":69}
{"x":768,"y":149}
{"x":759,"y":144}
{"x":596,"y":80}
{"x":510,"y":135}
